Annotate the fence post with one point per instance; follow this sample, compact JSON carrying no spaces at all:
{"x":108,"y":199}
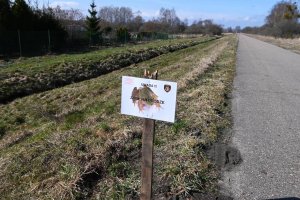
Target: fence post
{"x":49,"y":41}
{"x":90,"y":33}
{"x":20,"y":45}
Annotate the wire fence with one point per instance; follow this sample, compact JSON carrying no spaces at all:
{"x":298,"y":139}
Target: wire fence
{"x":27,"y":43}
{"x":19,"y":43}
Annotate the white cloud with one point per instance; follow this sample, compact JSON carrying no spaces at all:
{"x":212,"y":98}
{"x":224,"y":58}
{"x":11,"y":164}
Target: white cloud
{"x":247,"y":18}
{"x":150,"y":13}
{"x":224,"y":19}
{"x":65,"y":4}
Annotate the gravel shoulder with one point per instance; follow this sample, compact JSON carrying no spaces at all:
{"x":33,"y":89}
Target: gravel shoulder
{"x":266,"y":115}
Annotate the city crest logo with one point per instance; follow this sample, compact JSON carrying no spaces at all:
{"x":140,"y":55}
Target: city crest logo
{"x":167,"y":88}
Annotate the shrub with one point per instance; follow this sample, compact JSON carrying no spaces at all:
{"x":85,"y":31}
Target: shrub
{"x":123,"y":35}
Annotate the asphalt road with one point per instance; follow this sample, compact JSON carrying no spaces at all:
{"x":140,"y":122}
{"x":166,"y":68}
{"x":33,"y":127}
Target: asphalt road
{"x":266,"y":114}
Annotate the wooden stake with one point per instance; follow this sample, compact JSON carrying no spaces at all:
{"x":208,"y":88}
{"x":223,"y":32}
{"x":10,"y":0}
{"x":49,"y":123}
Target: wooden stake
{"x":147,"y":150}
{"x":147,"y":159}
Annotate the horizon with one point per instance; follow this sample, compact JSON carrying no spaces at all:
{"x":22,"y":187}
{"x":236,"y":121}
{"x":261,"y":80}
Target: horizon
{"x":246,"y":13}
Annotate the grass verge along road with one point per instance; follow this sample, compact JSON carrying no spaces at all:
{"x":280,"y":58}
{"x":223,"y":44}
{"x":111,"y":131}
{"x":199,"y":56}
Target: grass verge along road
{"x":289,"y":44}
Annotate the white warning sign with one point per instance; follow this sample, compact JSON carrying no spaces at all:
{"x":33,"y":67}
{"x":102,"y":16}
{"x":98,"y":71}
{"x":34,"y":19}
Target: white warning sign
{"x":148,"y":98}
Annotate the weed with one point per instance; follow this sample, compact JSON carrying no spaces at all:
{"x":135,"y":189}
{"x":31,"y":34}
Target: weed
{"x":73,"y":118}
{"x":86,"y":131}
{"x":158,"y":141}
{"x":110,"y":108}
{"x":105,"y":127}
{"x":68,"y":171}
{"x":179,"y":125}
{"x":173,"y":170}
{"x":137,"y":142}
{"x":119,"y":169}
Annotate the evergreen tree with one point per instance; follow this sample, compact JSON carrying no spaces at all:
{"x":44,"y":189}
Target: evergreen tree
{"x":37,"y":30}
{"x":5,"y":23}
{"x":23,"y":14}
{"x":92,"y":23}
{"x":5,"y":14}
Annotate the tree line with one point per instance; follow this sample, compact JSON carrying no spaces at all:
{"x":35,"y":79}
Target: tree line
{"x":121,"y":21}
{"x":282,"y":21}
{"x":24,"y":25}
{"x":27,"y":28}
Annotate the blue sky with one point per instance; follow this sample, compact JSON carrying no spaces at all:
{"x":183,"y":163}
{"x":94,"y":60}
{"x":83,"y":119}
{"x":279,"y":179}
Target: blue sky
{"x":225,"y":12}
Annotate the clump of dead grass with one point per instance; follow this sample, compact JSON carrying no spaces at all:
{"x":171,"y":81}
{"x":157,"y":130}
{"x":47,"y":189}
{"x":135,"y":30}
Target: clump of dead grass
{"x":202,"y":65}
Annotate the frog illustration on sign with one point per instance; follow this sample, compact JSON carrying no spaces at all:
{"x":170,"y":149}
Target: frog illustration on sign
{"x":144,"y":97}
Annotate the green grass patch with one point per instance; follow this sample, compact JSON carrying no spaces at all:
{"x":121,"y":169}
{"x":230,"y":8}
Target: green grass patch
{"x":73,"y":118}
{"x":105,"y":127}
{"x":178,"y":126}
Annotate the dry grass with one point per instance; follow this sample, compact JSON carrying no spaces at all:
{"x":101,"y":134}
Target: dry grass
{"x":201,"y":115}
{"x":79,"y":145}
{"x":200,"y":67}
{"x":290,"y":44}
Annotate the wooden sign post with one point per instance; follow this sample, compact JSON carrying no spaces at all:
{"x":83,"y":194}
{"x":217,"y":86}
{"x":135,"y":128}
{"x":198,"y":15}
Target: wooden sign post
{"x":147,"y":151}
{"x":147,"y":158}
{"x":152,"y":100}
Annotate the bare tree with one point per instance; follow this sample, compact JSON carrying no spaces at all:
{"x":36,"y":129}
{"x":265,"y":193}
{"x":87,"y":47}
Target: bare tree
{"x":125,"y":15}
{"x":207,"y":27}
{"x":151,"y":26}
{"x":136,"y":23}
{"x":169,"y":20}
{"x":116,"y":16}
{"x":107,"y":14}
{"x":283,"y":20}
{"x":67,"y":15}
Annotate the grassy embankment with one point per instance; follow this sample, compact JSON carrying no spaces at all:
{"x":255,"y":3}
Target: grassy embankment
{"x":290,"y":44}
{"x":43,"y":73}
{"x":72,"y":143}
